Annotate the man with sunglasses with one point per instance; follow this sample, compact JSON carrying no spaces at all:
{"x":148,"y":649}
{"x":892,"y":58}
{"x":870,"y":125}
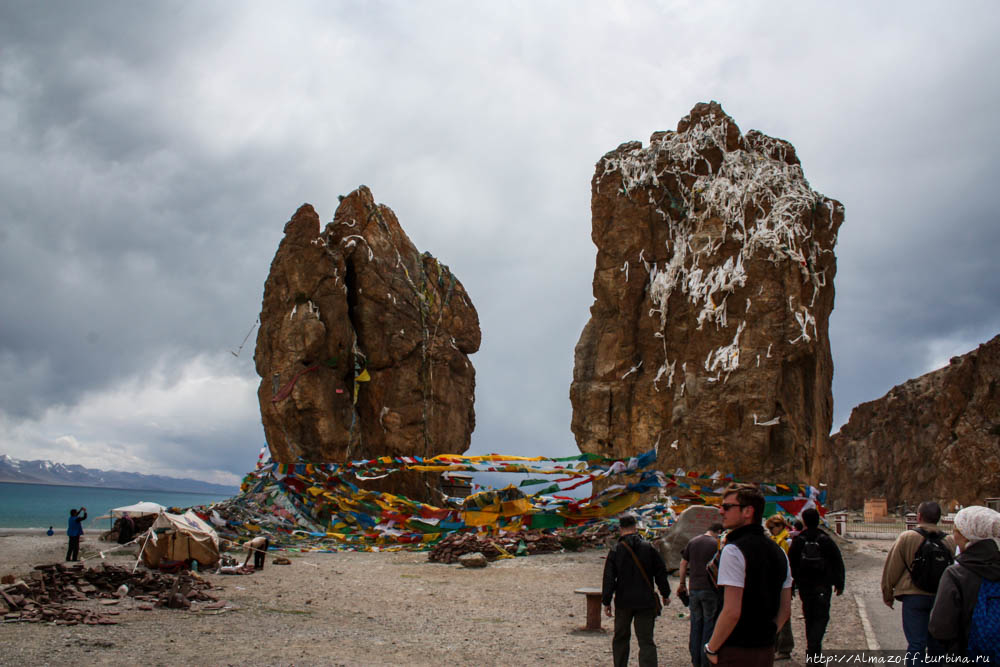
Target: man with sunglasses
{"x":758,"y":584}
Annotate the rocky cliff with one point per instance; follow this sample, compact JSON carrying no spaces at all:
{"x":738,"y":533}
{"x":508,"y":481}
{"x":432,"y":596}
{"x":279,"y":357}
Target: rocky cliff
{"x":364,"y":342}
{"x":713,"y":287}
{"x":936,"y":437}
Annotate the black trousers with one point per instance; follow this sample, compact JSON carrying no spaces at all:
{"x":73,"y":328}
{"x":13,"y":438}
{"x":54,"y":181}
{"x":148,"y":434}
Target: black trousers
{"x":816,"y":609}
{"x":645,"y":620}
{"x":73,"y":550}
{"x":258,"y":559}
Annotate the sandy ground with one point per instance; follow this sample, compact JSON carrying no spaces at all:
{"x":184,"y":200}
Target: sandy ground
{"x":380,"y":609}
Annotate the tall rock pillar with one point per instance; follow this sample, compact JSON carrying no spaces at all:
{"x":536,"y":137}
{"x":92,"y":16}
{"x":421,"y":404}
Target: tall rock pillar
{"x":364,"y":343}
{"x":713,"y":288}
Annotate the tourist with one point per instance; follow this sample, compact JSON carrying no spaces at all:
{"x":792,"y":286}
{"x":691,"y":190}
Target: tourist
{"x":74,"y":530}
{"x":629,"y":572}
{"x":962,"y":601}
{"x":785,"y":642}
{"x":702,"y":598}
{"x":897,"y":581}
{"x":50,"y":532}
{"x":818,"y":570}
{"x":758,"y":584}
{"x":258,"y":546}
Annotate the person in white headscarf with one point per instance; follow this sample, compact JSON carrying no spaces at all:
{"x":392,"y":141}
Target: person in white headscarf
{"x":976,"y":532}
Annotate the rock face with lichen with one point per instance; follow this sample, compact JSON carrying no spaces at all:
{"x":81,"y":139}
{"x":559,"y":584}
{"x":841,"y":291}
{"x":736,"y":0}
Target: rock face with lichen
{"x":363,"y":343}
{"x":713,"y":288}
{"x":936,"y":437}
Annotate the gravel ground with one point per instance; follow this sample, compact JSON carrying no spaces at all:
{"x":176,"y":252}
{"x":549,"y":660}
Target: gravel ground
{"x":379,"y":609}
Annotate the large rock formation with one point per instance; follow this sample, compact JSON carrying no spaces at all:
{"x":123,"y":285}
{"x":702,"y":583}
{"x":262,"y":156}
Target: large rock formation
{"x":363,"y":342}
{"x":936,"y":437}
{"x":713,"y":288}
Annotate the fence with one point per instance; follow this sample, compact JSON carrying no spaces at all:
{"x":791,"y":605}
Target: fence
{"x":882,"y":529}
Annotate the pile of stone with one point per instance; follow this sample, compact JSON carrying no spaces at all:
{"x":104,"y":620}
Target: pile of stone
{"x":493,"y":547}
{"x":51,"y":592}
{"x":594,"y":537}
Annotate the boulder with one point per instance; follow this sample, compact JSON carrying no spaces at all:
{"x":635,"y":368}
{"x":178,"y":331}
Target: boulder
{"x":692,"y":522}
{"x":713,"y":287}
{"x":363,"y":344}
{"x":473,"y":560}
{"x":936,"y":437}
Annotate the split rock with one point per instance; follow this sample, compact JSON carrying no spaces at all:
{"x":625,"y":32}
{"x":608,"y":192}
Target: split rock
{"x":363,"y":344}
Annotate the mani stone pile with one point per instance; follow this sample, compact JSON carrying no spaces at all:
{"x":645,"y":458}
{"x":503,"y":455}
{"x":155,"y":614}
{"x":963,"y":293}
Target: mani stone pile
{"x":49,"y":594}
{"x":520,"y":543}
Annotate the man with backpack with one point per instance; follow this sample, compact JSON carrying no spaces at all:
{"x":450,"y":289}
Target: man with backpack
{"x":817,"y":571}
{"x":911,"y":574}
{"x":966,"y":613}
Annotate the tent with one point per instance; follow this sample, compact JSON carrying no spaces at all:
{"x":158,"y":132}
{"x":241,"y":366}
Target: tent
{"x":180,"y":537}
{"x":144,"y":508}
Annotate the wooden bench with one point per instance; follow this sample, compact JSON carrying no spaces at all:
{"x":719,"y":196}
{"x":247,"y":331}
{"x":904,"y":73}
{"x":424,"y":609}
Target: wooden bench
{"x":593,"y":607}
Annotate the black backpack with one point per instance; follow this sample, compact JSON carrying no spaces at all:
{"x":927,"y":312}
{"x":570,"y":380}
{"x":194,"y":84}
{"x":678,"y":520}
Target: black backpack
{"x":931,"y":560}
{"x":812,"y":564}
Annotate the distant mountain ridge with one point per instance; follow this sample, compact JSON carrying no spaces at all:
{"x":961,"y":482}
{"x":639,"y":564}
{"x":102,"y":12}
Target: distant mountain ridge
{"x":47,"y":472}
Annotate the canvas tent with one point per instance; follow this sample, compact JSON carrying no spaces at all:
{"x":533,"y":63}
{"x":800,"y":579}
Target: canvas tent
{"x":144,"y":508}
{"x":180,"y":537}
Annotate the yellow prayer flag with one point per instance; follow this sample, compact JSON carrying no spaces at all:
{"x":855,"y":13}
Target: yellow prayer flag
{"x":480,"y":518}
{"x":515,"y":507}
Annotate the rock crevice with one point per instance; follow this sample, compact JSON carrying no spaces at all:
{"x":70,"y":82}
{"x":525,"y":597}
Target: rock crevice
{"x":363,"y":343}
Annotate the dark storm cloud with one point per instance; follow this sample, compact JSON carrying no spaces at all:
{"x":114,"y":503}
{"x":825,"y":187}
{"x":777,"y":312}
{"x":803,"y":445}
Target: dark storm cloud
{"x":150,"y":154}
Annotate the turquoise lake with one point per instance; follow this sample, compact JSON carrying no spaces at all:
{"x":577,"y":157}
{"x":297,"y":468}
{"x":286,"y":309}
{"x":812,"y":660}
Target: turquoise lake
{"x":44,"y":505}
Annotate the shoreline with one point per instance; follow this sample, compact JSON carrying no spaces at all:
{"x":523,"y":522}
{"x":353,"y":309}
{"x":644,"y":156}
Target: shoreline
{"x":11,"y":532}
{"x":226,"y":494}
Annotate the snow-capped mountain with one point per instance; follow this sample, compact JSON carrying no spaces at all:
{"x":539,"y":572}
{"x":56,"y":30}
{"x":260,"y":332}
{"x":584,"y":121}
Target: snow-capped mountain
{"x":47,"y":472}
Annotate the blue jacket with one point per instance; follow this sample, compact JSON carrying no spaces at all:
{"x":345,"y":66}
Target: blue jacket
{"x":75,"y":528}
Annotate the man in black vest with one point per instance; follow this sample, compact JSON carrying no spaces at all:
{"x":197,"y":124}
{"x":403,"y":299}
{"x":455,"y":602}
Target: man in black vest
{"x":758,"y":584}
{"x":630,"y":570}
{"x":818,"y":569}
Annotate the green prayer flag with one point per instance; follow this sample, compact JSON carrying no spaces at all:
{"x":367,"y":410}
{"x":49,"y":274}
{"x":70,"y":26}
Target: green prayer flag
{"x":544,"y":521}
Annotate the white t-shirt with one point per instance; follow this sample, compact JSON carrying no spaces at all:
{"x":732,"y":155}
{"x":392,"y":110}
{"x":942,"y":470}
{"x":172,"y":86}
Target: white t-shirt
{"x":732,"y":568}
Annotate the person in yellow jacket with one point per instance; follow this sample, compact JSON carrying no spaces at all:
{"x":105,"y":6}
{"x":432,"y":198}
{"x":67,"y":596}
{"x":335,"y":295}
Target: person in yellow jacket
{"x":784,"y":642}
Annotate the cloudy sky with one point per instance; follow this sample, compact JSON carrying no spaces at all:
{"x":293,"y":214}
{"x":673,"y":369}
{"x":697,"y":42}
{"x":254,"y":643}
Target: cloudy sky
{"x":150,"y":154}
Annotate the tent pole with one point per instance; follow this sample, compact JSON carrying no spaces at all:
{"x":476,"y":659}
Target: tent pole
{"x":139,"y":557}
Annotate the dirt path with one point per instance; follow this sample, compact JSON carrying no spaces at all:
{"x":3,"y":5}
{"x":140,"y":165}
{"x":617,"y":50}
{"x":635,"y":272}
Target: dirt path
{"x":381,"y":609}
{"x":886,"y":623}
